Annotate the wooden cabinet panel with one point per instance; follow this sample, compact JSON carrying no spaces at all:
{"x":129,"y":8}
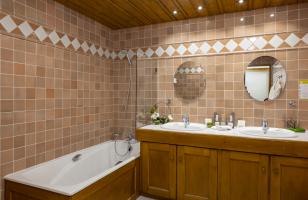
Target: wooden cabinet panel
{"x":159,"y":169}
{"x":289,"y":178}
{"x":197,"y":173}
{"x":243,"y":176}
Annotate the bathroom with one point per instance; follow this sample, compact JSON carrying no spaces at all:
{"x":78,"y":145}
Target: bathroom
{"x":154,"y":99}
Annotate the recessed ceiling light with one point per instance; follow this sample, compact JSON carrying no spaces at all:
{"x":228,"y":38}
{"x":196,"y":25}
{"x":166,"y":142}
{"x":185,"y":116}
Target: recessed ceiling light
{"x":175,"y":12}
{"x":242,"y":19}
{"x":272,"y":15}
{"x":241,"y":1}
{"x":200,"y":7}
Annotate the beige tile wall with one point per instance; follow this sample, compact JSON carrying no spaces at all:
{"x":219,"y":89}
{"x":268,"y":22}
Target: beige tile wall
{"x":225,"y":72}
{"x":53,"y":100}
{"x":225,"y":91}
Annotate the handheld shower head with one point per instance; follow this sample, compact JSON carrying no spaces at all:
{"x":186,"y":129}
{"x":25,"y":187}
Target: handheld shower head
{"x":128,"y":59}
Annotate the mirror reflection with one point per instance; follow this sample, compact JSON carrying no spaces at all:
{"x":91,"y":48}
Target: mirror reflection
{"x":265,"y":78}
{"x":189,"y":80}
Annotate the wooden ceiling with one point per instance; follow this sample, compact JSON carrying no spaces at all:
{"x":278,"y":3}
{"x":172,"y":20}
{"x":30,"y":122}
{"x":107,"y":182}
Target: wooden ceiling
{"x":118,"y":14}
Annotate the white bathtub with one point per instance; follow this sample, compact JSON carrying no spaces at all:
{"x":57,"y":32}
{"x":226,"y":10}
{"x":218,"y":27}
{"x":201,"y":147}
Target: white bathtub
{"x":64,"y":176}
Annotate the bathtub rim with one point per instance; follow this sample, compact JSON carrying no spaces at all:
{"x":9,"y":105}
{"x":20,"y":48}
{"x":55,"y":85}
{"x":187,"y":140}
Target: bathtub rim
{"x":17,"y":176}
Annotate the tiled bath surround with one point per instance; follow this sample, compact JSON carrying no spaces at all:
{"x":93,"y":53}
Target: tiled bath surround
{"x":56,"y":90}
{"x":58,"y":95}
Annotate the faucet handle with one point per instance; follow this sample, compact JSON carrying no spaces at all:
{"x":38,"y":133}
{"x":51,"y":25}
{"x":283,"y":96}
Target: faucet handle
{"x":265,"y":126}
{"x":264,"y":123}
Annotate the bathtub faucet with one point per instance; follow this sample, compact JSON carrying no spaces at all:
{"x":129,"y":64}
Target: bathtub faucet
{"x":76,"y":157}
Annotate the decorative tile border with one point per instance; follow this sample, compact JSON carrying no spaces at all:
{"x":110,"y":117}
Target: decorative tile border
{"x":234,"y":45}
{"x":30,"y":30}
{"x":27,"y":29}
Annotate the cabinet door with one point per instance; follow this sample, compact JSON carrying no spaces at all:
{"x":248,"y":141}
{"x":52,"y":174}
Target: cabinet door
{"x":159,"y":169}
{"x":197,"y":173}
{"x":289,"y":178}
{"x":243,"y":176}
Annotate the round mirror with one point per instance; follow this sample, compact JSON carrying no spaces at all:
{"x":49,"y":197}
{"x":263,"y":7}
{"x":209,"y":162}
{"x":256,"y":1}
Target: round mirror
{"x":265,"y":78}
{"x":189,"y":80}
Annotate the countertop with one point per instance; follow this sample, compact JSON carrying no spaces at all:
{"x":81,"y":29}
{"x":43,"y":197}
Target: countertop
{"x":227,"y":140}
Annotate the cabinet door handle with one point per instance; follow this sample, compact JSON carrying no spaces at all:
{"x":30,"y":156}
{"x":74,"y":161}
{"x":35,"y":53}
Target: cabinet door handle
{"x":263,"y":169}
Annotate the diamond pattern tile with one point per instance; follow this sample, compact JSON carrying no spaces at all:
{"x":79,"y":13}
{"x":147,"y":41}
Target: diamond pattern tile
{"x":292,"y":40}
{"x":8,"y":23}
{"x":54,"y":38}
{"x":205,"y":47}
{"x":170,"y":50}
{"x":181,"y":49}
{"x":85,"y":47}
{"x":107,"y":53}
{"x":231,"y":45}
{"x":159,"y":51}
{"x":140,"y":53}
{"x":40,"y":33}
{"x":193,"y":48}
{"x":245,"y":44}
{"x":93,"y":49}
{"x":25,"y":28}
{"x":260,"y":43}
{"x":276,"y":41}
{"x":100,"y":52}
{"x":131,"y":53}
{"x":113,"y":55}
{"x":149,"y":52}
{"x":122,"y":54}
{"x":65,"y":41}
{"x":218,"y":46}
{"x":76,"y":44}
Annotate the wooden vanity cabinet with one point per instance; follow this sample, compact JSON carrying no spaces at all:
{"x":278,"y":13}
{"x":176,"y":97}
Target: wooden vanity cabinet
{"x":196,"y":173}
{"x":243,"y":176}
{"x":289,"y":178}
{"x":158,"y":170}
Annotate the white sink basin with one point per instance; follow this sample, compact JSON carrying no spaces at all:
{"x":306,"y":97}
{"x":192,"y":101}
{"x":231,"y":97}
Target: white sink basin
{"x":179,"y":126}
{"x":271,"y":133}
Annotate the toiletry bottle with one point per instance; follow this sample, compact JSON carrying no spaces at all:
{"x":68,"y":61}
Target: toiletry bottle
{"x":216,"y":119}
{"x":231,"y":120}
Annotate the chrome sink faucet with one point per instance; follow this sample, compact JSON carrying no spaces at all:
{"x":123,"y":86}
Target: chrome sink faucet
{"x":265,"y":126}
{"x":186,"y":120}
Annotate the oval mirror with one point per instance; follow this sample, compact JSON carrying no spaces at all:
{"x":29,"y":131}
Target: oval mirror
{"x":189,"y":80}
{"x":265,"y":78}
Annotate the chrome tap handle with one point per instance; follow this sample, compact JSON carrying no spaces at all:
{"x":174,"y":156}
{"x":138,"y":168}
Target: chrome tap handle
{"x":265,"y":126}
{"x":186,"y":120}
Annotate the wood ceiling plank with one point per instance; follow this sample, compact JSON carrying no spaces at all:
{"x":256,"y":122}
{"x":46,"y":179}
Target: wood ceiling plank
{"x":151,"y":7}
{"x":212,"y":7}
{"x":170,"y":6}
{"x":86,"y":10}
{"x":118,"y":14}
{"x":259,"y":4}
{"x":229,"y":5}
{"x":281,"y":2}
{"x":188,"y":8}
{"x":219,"y":6}
{"x":131,"y":11}
{"x":196,"y":3}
